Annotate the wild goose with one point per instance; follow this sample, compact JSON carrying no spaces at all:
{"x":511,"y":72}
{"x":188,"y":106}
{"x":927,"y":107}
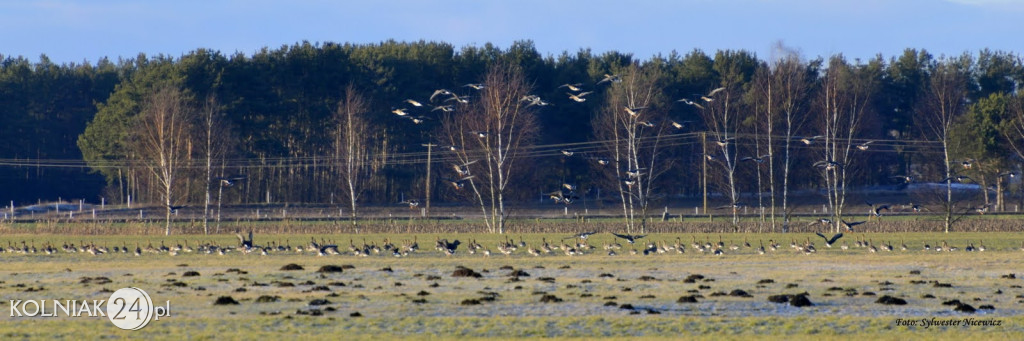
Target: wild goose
{"x":829,"y":242}
{"x":810,"y":140}
{"x":609,"y":78}
{"x":572,"y":87}
{"x":629,"y":238}
{"x":876,"y":210}
{"x":849,"y":225}
{"x":689,"y":102}
{"x":439,"y":92}
{"x":578,"y":97}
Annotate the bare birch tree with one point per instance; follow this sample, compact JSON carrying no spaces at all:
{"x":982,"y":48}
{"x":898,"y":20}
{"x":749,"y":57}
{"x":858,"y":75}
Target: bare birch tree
{"x":633,"y":121}
{"x":945,"y":100}
{"x":218,"y":140}
{"x":781,"y":89}
{"x":845,"y":100}
{"x":351,"y":144}
{"x":491,"y":134}
{"x":162,"y":140}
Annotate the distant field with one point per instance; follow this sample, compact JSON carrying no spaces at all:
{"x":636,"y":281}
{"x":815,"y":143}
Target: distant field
{"x":586,"y":296}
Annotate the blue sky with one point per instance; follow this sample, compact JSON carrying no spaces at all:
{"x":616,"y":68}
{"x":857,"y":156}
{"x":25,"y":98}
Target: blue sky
{"x":76,"y":31}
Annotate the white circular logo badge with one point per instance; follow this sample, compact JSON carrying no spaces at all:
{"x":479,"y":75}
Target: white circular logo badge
{"x":130,"y":308}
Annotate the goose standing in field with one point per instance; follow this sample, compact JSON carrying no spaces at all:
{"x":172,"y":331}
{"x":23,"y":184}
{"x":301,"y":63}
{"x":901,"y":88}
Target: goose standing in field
{"x":871,"y":247}
{"x":760,"y":249}
{"x":903,"y":246}
{"x":981,"y":246}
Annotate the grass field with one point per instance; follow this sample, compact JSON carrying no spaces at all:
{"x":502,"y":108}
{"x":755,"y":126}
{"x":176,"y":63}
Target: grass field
{"x":583,"y":296}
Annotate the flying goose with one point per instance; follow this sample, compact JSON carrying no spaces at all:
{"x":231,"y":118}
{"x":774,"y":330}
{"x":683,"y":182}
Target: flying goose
{"x":876,"y":210}
{"x":610,"y":78}
{"x":629,"y":238}
{"x":829,"y":242}
{"x":439,"y":92}
{"x":967,"y":164}
{"x":578,"y":97}
{"x":689,"y":102}
{"x":850,"y":225}
{"x":572,"y":87}
{"x":810,"y":140}
{"x":958,"y":178}
{"x":634,"y":111}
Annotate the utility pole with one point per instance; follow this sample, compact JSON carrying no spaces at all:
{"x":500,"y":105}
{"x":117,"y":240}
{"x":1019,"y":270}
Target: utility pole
{"x":426,"y":206}
{"x":704,"y":168}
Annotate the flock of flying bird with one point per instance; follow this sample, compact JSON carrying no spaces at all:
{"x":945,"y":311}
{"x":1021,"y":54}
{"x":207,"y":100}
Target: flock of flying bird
{"x":446,"y":100}
{"x":579,"y":245}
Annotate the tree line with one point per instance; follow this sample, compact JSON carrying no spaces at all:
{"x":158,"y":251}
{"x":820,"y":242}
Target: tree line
{"x":339,"y":123}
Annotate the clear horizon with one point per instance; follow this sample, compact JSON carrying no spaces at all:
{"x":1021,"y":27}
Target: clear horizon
{"x":76,"y":31}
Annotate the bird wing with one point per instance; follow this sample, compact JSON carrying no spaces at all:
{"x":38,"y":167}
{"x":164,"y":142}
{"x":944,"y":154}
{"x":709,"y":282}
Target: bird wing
{"x":835,"y":238}
{"x":715,"y":91}
{"x":821,"y":235}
